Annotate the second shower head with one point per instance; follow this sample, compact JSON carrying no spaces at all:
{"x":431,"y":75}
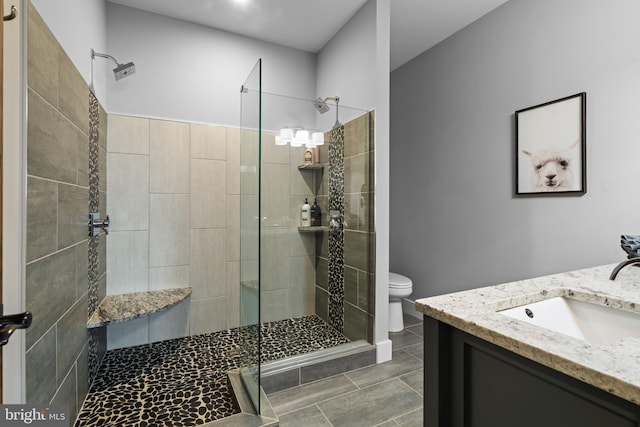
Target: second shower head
{"x":321,"y":104}
{"x":322,"y":107}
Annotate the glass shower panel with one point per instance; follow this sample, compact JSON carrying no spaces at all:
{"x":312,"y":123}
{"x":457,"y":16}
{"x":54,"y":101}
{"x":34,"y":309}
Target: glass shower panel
{"x":250,"y":142}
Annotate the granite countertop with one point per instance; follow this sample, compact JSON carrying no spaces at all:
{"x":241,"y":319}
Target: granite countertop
{"x":122,"y":307}
{"x":614,"y":368}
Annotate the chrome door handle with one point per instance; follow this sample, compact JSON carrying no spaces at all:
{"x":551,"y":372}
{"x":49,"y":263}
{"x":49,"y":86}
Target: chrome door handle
{"x":12,"y":15}
{"x":8,"y":324}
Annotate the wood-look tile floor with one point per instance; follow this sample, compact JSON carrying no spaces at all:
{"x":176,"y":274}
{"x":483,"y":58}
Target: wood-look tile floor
{"x":387,"y":394}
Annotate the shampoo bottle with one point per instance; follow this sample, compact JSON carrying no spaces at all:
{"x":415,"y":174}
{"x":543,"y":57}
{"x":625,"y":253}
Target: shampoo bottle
{"x":305,"y":218}
{"x":316,"y":215}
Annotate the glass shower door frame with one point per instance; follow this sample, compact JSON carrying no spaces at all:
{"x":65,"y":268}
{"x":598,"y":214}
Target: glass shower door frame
{"x":250,"y":214}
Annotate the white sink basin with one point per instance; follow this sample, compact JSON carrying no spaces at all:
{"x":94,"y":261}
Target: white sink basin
{"x":594,"y":323}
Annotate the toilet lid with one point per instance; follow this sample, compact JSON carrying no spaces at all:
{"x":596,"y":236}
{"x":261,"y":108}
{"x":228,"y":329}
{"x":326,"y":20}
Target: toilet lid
{"x":399,"y":281}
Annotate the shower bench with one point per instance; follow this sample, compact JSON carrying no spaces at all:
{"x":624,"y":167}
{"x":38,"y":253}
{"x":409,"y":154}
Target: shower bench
{"x":122,"y":307}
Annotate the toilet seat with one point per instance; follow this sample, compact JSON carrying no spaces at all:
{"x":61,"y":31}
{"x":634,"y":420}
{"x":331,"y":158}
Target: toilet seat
{"x":400,"y":287}
{"x":398,"y":281}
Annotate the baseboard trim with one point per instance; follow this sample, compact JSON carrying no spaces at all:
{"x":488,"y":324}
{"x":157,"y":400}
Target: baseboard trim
{"x":409,"y":307}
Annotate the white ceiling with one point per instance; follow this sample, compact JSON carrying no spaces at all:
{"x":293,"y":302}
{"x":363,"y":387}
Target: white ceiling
{"x":416,"y":25}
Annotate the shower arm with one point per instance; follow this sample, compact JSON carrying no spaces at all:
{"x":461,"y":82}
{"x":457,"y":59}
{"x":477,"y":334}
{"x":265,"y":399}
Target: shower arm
{"x":336,"y":99}
{"x":103,"y":55}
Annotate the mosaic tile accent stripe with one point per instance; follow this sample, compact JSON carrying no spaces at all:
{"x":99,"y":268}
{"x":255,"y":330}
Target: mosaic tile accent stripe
{"x":94,"y":197}
{"x":182,"y":382}
{"x":94,"y":200}
{"x":336,"y":238}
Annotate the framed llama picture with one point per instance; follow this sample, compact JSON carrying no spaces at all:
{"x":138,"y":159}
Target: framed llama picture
{"x":551,"y":148}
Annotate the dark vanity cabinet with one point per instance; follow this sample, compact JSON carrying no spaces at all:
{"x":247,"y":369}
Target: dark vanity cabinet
{"x":472,"y":383}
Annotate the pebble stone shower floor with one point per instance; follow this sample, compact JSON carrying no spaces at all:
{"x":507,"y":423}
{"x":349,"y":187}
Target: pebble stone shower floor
{"x":182,"y":382}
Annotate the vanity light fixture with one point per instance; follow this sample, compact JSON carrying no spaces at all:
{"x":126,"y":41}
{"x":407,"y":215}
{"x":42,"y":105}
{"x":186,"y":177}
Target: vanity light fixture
{"x":297,"y":137}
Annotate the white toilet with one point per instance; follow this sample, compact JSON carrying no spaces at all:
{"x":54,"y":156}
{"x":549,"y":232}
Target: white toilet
{"x":399,"y":287}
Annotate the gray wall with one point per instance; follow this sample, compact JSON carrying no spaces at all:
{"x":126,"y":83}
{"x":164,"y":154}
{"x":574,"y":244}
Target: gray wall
{"x":454,"y":221}
{"x":193,"y":73}
{"x":345,"y":65}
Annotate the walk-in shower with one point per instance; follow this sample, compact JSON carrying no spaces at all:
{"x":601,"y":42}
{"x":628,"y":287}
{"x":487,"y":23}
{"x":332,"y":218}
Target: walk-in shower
{"x":207,"y":276}
{"x":266,"y":303}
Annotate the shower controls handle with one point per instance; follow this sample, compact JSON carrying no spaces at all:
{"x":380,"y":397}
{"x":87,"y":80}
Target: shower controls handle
{"x":97,"y":225}
{"x":336,"y":220}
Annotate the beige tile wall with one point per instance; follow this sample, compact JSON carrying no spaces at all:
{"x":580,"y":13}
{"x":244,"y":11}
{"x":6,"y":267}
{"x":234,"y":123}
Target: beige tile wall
{"x":174,"y":203}
{"x":166,"y":233}
{"x":288,"y":256}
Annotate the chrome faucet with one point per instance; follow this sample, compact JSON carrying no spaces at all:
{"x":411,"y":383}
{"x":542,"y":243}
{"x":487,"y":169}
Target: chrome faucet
{"x":622,"y":265}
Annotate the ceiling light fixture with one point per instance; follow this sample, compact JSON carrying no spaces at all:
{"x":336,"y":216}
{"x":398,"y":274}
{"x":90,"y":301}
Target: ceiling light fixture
{"x":242,"y":3}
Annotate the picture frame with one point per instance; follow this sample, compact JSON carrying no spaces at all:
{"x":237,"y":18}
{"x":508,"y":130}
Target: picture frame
{"x":551,"y":148}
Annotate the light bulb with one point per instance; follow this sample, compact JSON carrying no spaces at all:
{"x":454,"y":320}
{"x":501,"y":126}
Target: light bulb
{"x":302,"y":135}
{"x":301,"y":138}
{"x":317,"y":138}
{"x":286,"y":134}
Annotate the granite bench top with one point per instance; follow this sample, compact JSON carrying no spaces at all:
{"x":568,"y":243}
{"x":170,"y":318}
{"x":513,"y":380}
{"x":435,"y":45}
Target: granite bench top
{"x":122,"y":307}
{"x":614,"y":368}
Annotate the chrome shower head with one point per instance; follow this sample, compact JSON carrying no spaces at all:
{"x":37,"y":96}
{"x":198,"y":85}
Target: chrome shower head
{"x":321,"y":105}
{"x":124,"y":70}
{"x":121,"y":70}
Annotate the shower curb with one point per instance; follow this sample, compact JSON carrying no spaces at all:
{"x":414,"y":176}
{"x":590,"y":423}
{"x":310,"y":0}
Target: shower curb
{"x":299,"y":370}
{"x":248,"y":416}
